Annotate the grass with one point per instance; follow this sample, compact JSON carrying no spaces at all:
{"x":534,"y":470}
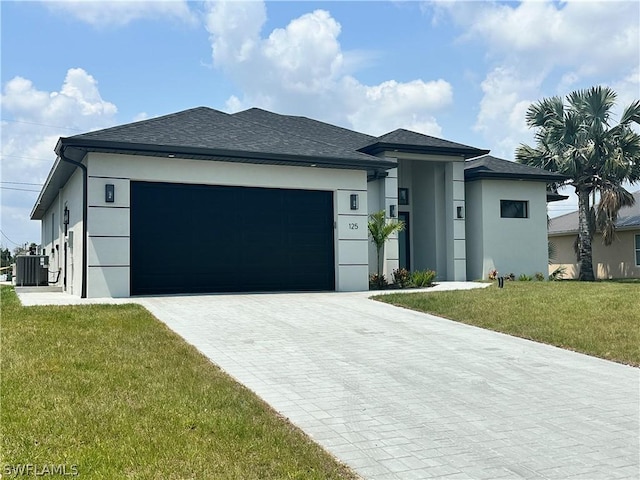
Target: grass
{"x":600,"y":319}
{"x":110,"y":391}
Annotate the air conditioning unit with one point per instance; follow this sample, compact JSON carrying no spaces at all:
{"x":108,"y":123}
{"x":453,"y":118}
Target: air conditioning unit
{"x":32,"y":270}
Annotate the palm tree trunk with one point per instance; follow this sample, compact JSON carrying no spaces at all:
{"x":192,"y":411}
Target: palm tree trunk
{"x":585,"y":253}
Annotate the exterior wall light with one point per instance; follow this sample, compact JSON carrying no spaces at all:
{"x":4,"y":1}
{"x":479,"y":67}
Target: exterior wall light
{"x":353,"y":201}
{"x":109,"y":193}
{"x":65,"y":219}
{"x":392,"y":211}
{"x":460,"y":212}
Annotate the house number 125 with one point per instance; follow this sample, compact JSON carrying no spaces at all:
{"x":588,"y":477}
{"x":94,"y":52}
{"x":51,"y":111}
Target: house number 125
{"x":353,"y":226}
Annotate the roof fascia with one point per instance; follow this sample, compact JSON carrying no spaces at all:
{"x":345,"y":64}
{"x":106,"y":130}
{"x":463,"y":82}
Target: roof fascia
{"x":513,"y":176}
{"x":228,"y":155}
{"x":379,"y":147}
{"x":562,"y":233}
{"x":45,"y":188}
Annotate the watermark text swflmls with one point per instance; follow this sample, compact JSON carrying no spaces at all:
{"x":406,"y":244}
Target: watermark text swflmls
{"x":39,"y":470}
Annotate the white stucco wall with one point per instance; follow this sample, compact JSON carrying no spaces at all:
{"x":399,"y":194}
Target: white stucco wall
{"x":437,"y":236}
{"x":71,"y":197}
{"x":454,"y":226}
{"x":429,"y":232}
{"x":474,"y":230}
{"x":109,"y":232}
{"x":510,"y":245}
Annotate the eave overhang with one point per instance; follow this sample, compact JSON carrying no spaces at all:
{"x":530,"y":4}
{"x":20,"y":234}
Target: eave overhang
{"x":480,"y":173}
{"x":556,"y":197}
{"x":381,"y":147}
{"x":77,"y":148}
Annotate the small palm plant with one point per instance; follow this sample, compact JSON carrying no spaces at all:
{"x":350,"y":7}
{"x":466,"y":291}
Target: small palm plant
{"x":380,"y":230}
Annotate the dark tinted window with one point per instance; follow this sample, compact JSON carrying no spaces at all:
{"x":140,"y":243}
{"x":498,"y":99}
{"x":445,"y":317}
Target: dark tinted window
{"x":514,"y":209}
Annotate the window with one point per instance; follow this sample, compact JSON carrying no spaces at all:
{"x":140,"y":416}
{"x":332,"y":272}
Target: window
{"x":638,"y":250}
{"x":514,"y":209}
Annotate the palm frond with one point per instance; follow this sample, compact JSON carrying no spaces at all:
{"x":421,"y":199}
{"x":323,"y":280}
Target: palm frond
{"x":594,"y":105}
{"x":631,"y":114}
{"x":612,"y":200}
{"x":552,"y":250}
{"x":380,"y":229}
{"x":547,"y":110}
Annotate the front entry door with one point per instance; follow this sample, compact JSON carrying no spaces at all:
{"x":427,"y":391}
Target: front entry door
{"x":403,"y":241}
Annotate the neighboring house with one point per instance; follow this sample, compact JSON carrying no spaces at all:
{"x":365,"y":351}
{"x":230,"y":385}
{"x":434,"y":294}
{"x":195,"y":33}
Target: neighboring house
{"x":205,"y":201}
{"x":621,"y":259}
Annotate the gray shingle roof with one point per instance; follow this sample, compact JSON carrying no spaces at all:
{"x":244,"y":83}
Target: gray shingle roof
{"x":306,"y":127}
{"x":408,"y":141}
{"x":628,"y":218}
{"x":208,"y":129}
{"x":488,"y":166}
{"x":254,"y":135}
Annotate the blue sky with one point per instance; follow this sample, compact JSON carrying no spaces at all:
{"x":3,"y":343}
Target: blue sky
{"x":464,"y":71}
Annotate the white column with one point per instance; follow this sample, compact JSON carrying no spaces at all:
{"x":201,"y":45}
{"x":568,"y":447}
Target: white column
{"x":391,"y":251}
{"x":455,"y":223}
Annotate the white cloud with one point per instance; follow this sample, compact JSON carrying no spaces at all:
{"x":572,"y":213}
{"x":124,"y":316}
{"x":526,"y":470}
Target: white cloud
{"x":102,"y":13}
{"x":140,"y":116}
{"x":306,"y":54}
{"x":628,"y":90}
{"x":35,"y":121}
{"x":538,"y":49}
{"x":589,"y":35}
{"x":234,"y":29}
{"x":302,"y":69}
{"x":390,"y":105}
{"x":501,"y":119}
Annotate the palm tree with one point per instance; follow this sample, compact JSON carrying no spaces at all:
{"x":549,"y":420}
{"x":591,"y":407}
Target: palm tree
{"x":578,"y":140}
{"x":380,"y":230}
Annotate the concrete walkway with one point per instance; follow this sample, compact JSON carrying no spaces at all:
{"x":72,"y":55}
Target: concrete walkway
{"x":402,"y":395}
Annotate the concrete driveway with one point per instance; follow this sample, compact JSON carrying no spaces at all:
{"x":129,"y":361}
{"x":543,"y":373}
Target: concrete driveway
{"x":399,"y":394}
{"x":402,"y":395}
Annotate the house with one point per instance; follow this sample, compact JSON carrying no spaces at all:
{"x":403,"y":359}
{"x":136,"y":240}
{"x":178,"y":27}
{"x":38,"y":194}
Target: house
{"x":205,"y":201}
{"x":507,"y":217}
{"x":621,"y":259}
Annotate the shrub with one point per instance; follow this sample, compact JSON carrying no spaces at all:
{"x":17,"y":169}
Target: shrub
{"x":511,"y":277}
{"x":539,"y":276}
{"x":377,"y":281}
{"x":524,"y":278}
{"x":493,"y":274}
{"x":558,"y":273}
{"x":401,"y":277}
{"x":423,"y":278}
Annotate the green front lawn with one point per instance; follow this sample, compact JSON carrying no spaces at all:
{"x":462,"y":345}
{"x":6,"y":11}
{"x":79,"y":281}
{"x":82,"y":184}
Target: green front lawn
{"x":600,"y":318}
{"x":110,"y":391}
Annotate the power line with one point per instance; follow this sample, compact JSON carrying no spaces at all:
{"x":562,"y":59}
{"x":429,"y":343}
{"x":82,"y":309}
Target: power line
{"x":10,"y":241}
{"x":23,"y":183}
{"x":28,"y":158}
{"x":18,"y":189}
{"x":42,"y":125}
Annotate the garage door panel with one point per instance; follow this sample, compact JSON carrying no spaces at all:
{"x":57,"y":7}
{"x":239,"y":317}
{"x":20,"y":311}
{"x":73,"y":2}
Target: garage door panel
{"x":203,"y":238}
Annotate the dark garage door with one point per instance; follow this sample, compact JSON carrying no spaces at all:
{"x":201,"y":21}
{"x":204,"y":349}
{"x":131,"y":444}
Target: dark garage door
{"x":204,"y":238}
